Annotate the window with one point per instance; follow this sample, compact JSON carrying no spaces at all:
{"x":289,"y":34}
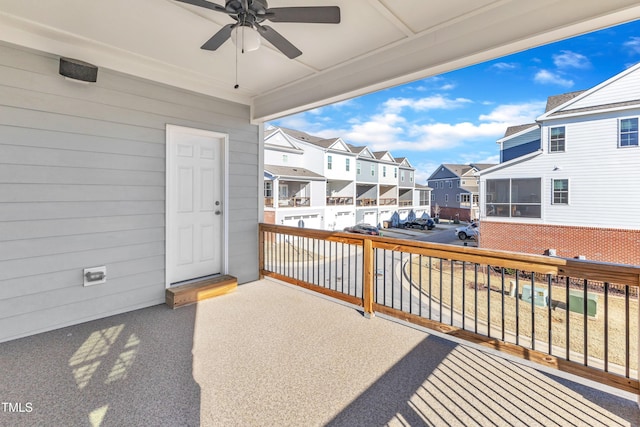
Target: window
{"x":329,"y":162}
{"x":424,"y":198}
{"x":560,"y":191}
{"x":446,"y":198}
{"x":268,"y":189}
{"x":514,"y":197}
{"x":373,"y":170}
{"x":628,"y":132}
{"x":410,"y":176}
{"x":433,"y":197}
{"x":285,"y":158}
{"x":347,"y":164}
{"x":384,"y":171}
{"x":358,"y":168}
{"x":458,"y":197}
{"x":402,"y":176}
{"x":283,"y":191}
{"x":556,"y":140}
{"x":464,"y":198}
{"x":395,"y":172}
{"x":458,"y":182}
{"x":450,"y":184}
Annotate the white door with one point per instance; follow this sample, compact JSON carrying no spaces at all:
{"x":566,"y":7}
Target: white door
{"x":194,"y":203}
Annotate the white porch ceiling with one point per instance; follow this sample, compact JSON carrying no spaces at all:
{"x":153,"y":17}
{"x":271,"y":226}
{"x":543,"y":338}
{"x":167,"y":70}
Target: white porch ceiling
{"x":378,"y":44}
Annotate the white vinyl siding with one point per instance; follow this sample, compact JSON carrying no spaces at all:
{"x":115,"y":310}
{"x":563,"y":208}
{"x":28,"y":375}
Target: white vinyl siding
{"x":82,"y":184}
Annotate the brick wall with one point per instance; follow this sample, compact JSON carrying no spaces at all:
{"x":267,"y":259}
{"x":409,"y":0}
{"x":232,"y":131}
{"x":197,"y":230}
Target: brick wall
{"x":269,"y":217}
{"x":598,"y":244}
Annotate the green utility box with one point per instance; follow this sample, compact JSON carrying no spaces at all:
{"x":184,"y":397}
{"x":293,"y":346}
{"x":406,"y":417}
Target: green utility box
{"x":541,"y":296}
{"x":576,"y":303}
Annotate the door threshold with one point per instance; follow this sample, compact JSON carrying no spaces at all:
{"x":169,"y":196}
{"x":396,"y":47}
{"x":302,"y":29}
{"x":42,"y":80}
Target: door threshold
{"x":195,"y":279}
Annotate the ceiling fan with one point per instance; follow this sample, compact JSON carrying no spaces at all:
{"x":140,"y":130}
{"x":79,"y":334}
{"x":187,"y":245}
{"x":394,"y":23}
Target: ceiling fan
{"x":250,"y":14}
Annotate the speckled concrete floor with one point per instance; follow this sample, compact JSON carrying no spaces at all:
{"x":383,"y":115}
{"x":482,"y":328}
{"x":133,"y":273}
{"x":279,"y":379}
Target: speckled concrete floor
{"x":272,"y":355}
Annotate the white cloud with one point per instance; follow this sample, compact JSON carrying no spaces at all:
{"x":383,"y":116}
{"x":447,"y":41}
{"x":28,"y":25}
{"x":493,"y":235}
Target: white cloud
{"x":395,"y":105}
{"x":505,"y":66}
{"x":547,"y":77}
{"x":515,"y":113}
{"x":633,"y":44}
{"x":568,"y":59}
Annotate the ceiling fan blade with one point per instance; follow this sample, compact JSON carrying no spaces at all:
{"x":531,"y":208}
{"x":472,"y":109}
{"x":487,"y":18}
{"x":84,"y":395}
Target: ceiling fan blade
{"x":219,"y":38}
{"x":312,"y":14}
{"x":276,"y":39}
{"x":205,"y":4}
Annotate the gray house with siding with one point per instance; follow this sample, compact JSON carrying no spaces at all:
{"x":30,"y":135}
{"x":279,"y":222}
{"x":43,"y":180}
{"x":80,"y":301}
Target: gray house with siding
{"x":83,"y":184}
{"x":454,"y":191}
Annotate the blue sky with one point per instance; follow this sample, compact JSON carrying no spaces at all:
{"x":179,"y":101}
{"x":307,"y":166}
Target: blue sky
{"x":458,"y":116}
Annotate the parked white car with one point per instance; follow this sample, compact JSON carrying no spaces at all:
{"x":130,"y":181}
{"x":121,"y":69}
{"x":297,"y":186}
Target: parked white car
{"x":470,"y":231}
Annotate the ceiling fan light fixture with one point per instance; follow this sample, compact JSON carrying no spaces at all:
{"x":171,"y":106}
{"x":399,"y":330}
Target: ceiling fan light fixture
{"x":246,"y":38}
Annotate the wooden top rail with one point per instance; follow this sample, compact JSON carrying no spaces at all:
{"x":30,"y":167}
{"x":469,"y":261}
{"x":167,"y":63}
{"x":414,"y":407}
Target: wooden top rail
{"x":586,"y":269}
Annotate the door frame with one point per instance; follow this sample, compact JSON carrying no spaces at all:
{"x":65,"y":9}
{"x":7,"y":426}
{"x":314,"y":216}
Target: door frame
{"x":169,"y":217}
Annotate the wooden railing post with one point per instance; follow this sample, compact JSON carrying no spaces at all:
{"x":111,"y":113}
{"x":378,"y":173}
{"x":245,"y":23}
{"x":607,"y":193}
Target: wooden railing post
{"x":260,"y":251}
{"x":367,"y":286}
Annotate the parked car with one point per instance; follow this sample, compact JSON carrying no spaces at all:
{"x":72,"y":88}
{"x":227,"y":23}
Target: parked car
{"x":420,"y":223}
{"x":470,"y":231}
{"x":363,"y":229}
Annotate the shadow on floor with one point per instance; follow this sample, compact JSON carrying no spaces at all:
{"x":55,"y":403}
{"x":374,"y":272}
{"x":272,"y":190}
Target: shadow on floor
{"x":125,"y":370}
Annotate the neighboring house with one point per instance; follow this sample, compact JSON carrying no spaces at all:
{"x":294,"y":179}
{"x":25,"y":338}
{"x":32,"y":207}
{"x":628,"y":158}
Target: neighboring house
{"x":455,"y":190}
{"x":574,"y":196}
{"x":366,"y":186}
{"x":388,"y":188}
{"x":360,"y":186}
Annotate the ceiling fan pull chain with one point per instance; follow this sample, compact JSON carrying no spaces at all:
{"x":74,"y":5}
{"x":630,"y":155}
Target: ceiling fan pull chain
{"x":236,"y":85}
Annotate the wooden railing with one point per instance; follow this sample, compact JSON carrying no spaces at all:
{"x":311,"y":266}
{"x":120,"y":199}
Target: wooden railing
{"x":294,"y":202}
{"x":406,"y":203}
{"x":339,"y":201}
{"x":388,"y":201}
{"x":366,"y":202}
{"x":573,"y":315}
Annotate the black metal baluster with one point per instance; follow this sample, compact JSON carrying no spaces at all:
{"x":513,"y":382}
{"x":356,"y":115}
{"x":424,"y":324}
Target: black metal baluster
{"x":384,"y":276}
{"x":502,"y":301}
{"x":533,"y":311}
{"x":401,"y":284}
{"x":451,"y":296}
{"x":475,"y":293}
{"x":420,"y":286}
{"x":488,"y":300}
{"x":393,"y":277}
{"x":430,"y":286}
{"x":606,"y":326}
{"x":464,"y":292}
{"x":584,"y":322}
{"x":410,"y":283}
{"x":517,"y":296}
{"x":342,"y":272}
{"x":349,"y":269}
{"x":626,"y":330}
{"x":567,"y":334}
{"x":440,"y":295}
{"x":549,"y":302}
{"x":330,"y":265}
